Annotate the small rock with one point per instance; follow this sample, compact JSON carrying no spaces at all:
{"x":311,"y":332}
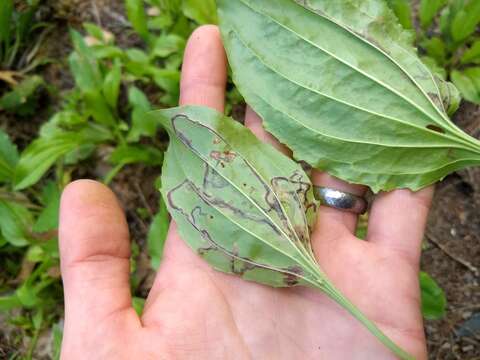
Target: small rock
{"x":470,"y":326}
{"x":467,"y":348}
{"x":446,"y":346}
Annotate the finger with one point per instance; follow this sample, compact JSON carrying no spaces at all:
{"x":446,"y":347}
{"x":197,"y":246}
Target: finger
{"x":397,"y":222}
{"x":94,"y":252}
{"x":204,"y":78}
{"x":204,"y":71}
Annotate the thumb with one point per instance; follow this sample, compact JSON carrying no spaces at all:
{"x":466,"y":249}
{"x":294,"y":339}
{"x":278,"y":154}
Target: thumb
{"x":95,"y":264}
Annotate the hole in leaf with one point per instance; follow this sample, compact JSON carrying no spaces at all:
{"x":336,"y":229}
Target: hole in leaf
{"x":436,"y":128}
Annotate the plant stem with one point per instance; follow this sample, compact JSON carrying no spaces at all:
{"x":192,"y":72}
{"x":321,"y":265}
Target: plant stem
{"x":33,"y":344}
{"x":112,"y":173}
{"x":335,"y":295}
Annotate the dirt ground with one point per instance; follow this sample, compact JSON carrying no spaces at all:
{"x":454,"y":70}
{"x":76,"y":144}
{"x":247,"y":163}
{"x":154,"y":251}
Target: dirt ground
{"x":452,"y":242}
{"x":452,"y":256}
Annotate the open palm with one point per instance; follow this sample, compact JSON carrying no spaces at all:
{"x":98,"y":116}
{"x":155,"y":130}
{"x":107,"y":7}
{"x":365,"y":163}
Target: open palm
{"x":194,"y":312}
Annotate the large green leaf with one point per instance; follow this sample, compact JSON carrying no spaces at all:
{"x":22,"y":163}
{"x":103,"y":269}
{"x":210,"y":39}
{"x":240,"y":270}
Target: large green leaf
{"x":340,"y":83}
{"x":243,"y":206}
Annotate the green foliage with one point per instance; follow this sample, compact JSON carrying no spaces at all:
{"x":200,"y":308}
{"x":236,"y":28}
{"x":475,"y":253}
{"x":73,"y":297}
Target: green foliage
{"x":20,"y":39}
{"x":21,"y":99}
{"x":103,"y":117}
{"x":428,"y":11}
{"x":20,"y":34}
{"x":449,"y":37}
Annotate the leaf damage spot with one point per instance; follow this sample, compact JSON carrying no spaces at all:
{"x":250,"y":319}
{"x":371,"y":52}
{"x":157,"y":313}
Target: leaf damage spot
{"x":292,"y":275}
{"x":435,"y":128}
{"x":227,"y":156}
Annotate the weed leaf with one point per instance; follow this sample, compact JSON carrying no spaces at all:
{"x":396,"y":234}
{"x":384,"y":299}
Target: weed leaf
{"x":352,"y":98}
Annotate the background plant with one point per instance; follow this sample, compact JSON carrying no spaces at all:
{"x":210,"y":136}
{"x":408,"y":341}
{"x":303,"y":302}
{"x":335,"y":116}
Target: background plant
{"x":447,"y":34}
{"x":101,"y":119}
{"x":21,"y":36}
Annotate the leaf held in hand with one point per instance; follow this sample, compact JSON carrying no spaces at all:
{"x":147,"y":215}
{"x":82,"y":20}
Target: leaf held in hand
{"x":340,"y":83}
{"x":239,"y":203}
{"x":243,"y":206}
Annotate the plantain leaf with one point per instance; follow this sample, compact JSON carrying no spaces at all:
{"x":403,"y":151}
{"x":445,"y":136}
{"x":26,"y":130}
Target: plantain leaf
{"x":243,"y":206}
{"x":220,"y":187}
{"x":340,"y":83}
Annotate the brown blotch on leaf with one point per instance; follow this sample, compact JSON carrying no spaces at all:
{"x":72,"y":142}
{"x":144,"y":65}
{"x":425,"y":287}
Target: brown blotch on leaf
{"x":292,"y":279}
{"x":227,"y":156}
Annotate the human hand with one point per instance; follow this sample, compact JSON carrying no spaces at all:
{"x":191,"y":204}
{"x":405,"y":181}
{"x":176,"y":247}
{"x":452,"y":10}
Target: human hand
{"x":194,"y":312}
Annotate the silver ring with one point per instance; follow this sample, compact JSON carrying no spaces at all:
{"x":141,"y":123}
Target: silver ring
{"x":340,"y":200}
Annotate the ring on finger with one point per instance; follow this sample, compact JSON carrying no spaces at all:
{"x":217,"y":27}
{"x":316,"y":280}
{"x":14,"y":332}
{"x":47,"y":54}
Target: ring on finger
{"x":340,"y":200}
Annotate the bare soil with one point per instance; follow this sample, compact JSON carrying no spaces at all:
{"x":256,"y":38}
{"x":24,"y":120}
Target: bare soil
{"x":452,"y":256}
